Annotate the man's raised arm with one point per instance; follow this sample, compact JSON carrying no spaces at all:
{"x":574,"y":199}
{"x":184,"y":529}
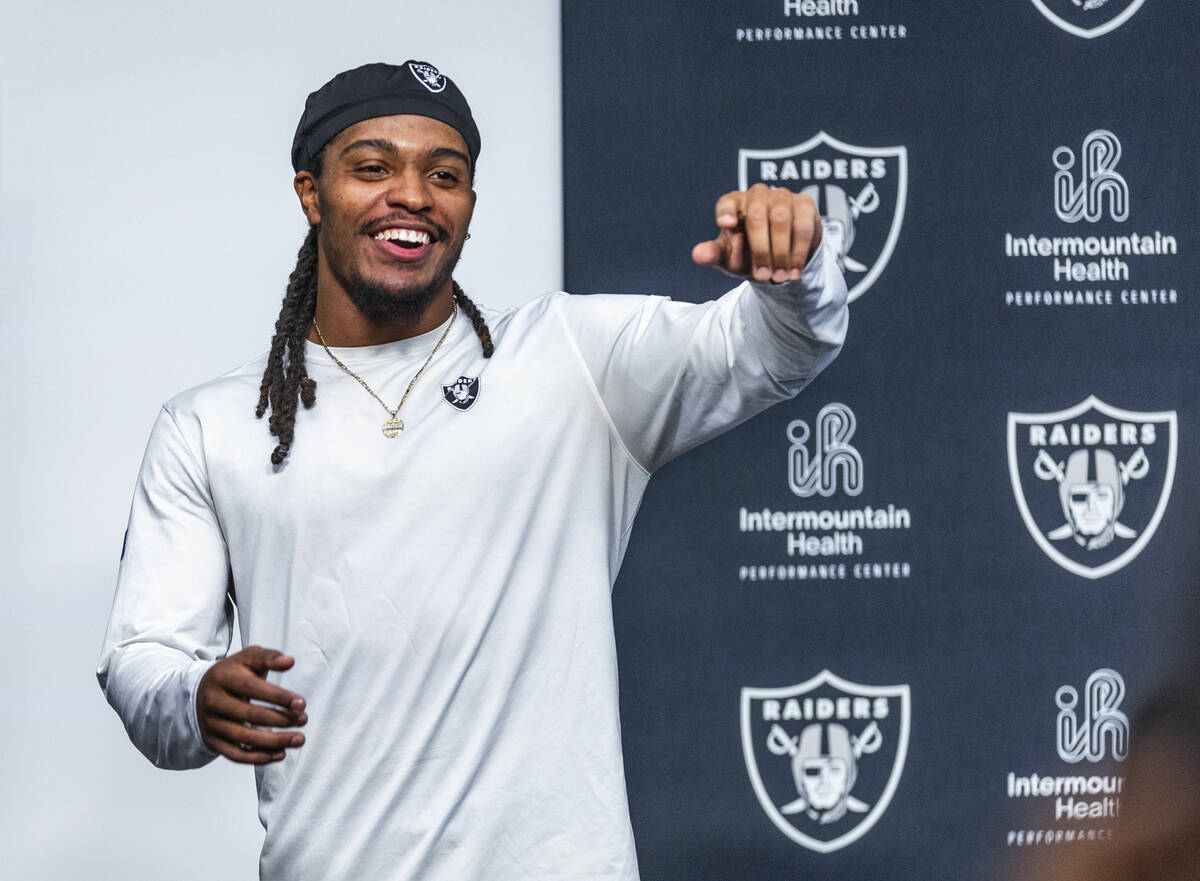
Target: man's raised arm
{"x":672,"y":375}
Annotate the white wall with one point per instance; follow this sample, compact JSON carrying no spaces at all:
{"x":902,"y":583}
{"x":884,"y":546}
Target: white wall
{"x":147,"y":227}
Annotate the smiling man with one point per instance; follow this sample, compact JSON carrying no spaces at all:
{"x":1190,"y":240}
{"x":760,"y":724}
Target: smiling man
{"x":432,"y":539}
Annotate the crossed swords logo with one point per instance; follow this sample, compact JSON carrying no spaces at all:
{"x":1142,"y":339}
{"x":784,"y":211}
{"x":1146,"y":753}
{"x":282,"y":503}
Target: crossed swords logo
{"x":780,"y":743}
{"x":1136,"y":468}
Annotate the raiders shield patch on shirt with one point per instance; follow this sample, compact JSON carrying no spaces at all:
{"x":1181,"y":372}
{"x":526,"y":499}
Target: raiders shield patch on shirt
{"x":462,"y":392}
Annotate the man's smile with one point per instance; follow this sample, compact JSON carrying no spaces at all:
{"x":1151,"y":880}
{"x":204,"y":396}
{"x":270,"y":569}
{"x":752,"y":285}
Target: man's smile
{"x":408,"y":242}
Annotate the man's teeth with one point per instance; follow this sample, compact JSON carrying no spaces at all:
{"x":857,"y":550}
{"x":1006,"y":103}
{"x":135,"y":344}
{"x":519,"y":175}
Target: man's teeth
{"x":412,"y":236}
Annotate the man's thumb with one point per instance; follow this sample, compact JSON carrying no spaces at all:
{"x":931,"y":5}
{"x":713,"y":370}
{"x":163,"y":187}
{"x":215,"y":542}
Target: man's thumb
{"x":260,"y":658}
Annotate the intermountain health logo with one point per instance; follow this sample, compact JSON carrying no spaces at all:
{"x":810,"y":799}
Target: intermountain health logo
{"x":1095,"y":732}
{"x":836,"y":534}
{"x":831,"y":462}
{"x":1098,"y":184}
{"x":1093,"y":255}
{"x":860,"y":192}
{"x":1088,"y":18}
{"x":1092,"y":481}
{"x":825,"y":756}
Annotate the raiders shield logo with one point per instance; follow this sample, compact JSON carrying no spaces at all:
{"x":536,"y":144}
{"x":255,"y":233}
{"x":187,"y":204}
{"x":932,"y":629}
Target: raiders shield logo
{"x":1092,"y":481}
{"x":825,"y":756}
{"x":428,"y":75}
{"x":1088,"y":18}
{"x":860,"y":192}
{"x":462,"y":393}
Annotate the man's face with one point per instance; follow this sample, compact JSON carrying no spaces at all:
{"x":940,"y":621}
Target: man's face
{"x":1092,"y":507}
{"x":394,"y":201}
{"x":824,"y":781}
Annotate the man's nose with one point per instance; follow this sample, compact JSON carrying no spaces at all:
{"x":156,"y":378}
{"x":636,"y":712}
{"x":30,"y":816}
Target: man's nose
{"x":410,"y":190}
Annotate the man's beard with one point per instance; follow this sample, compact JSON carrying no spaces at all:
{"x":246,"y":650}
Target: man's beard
{"x":379,"y":302}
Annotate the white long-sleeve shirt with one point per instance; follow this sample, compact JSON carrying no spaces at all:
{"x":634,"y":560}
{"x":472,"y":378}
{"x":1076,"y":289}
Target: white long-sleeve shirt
{"x":445,"y":593}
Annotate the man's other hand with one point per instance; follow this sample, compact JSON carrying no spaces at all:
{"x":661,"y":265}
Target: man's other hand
{"x":765,"y":234}
{"x":239,"y":729}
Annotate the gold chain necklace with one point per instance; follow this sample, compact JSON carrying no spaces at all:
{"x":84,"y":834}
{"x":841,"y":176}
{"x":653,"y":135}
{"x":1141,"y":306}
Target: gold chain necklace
{"x":394,"y":425}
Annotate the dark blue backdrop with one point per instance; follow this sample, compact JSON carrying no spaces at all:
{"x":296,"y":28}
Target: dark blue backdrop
{"x":993,"y":618}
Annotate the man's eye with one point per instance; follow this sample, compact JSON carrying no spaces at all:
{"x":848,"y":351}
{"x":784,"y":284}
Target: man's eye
{"x":372,"y":169}
{"x":442,"y":174}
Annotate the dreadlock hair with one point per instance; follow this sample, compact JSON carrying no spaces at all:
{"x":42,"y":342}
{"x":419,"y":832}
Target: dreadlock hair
{"x":472,"y":311}
{"x":286,"y":379}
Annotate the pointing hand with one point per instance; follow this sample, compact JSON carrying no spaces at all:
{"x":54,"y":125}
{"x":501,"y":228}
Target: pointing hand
{"x":765,"y":234}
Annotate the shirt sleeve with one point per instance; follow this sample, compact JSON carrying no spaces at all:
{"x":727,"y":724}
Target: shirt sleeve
{"x":172,"y":616}
{"x":673,"y":375}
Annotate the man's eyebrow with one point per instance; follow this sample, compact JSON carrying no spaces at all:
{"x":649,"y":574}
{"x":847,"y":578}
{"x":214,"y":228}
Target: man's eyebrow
{"x":388,"y":147}
{"x":452,"y":153}
{"x":377,"y":143}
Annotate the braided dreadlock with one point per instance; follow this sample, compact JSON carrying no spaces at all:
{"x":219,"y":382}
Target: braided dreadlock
{"x":286,"y":379}
{"x":472,"y":311}
{"x":286,"y":374}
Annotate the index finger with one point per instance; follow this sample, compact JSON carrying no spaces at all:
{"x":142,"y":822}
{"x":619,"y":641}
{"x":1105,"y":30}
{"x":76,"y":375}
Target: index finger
{"x":730,"y":208}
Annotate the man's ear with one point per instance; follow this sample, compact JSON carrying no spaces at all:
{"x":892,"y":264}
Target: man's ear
{"x":310,"y":200}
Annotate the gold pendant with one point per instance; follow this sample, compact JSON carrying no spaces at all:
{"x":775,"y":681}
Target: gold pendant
{"x":393,"y":427}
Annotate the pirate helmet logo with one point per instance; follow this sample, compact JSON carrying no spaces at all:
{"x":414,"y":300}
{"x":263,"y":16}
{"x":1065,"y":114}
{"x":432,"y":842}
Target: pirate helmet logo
{"x":1088,"y":18}
{"x":462,"y":393}
{"x":1106,"y":464}
{"x":824,"y":768}
{"x":860,"y":193}
{"x":825,"y":756}
{"x":1092,"y":493}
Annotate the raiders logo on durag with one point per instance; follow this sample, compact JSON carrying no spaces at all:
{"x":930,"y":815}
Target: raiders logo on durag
{"x":461,"y":393}
{"x":430,"y":77}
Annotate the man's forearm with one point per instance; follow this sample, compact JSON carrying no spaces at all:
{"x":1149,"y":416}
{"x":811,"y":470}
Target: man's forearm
{"x":153,"y":689}
{"x":798,"y":328}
